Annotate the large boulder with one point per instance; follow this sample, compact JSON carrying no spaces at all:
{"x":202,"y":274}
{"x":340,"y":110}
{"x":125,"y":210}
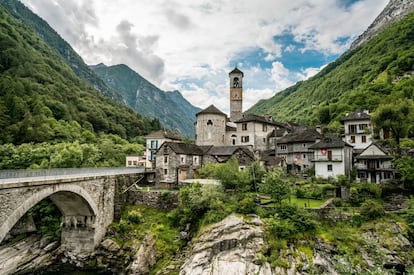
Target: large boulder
{"x":228,"y":247}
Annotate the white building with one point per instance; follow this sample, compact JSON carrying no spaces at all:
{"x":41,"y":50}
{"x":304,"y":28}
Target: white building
{"x":154,"y":141}
{"x":332,"y":157}
{"x":358,"y":129}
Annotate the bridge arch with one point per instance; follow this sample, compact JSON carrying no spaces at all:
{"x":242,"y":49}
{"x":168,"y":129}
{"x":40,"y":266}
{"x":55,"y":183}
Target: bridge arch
{"x":72,"y":200}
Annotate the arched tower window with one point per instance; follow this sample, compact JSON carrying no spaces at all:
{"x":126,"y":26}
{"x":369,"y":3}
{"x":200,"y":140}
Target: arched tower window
{"x":209,"y":122}
{"x":236,"y":82}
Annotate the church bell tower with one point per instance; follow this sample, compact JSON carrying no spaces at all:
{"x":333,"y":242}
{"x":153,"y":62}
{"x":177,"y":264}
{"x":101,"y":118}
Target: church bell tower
{"x":236,"y":94}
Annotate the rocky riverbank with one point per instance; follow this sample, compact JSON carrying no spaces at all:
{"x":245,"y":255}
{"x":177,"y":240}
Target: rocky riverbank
{"x":236,"y":245}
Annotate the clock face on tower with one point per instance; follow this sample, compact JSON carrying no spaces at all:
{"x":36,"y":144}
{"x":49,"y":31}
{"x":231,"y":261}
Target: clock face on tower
{"x":235,"y":95}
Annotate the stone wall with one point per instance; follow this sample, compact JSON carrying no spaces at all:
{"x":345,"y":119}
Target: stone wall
{"x":156,"y":199}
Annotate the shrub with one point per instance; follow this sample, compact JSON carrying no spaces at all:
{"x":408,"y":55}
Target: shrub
{"x":134,"y":217}
{"x":371,"y":210}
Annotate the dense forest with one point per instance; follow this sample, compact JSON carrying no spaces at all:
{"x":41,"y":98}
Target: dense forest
{"x":42,"y":100}
{"x":377,"y":73}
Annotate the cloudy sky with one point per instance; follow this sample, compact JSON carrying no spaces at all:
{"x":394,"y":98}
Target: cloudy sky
{"x":191,"y":46}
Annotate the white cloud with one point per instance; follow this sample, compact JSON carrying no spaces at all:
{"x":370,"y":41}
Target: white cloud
{"x":170,"y":42}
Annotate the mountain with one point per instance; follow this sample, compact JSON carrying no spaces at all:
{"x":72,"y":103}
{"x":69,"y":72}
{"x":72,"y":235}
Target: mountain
{"x":53,"y":39}
{"x":394,"y":11}
{"x":378,"y":72}
{"x":176,"y":112}
{"x":171,"y":108}
{"x":43,"y":100}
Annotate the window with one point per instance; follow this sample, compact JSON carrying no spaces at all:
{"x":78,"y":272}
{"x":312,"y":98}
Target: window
{"x":165,"y":159}
{"x":245,"y":139}
{"x":362,"y":127}
{"x":364,"y":139}
{"x":304,"y":145}
{"x":352,"y":139}
{"x":264,"y":128}
{"x":304,"y":156}
{"x":182,"y":159}
{"x":352,"y":129}
{"x":165,"y":171}
{"x":244,"y":126}
{"x":195,"y":160}
{"x":329,"y":167}
{"x":330,"y":155}
{"x":129,"y":162}
{"x":209,"y":122}
{"x":154,"y":144}
{"x":135,"y":163}
{"x":283,"y":147}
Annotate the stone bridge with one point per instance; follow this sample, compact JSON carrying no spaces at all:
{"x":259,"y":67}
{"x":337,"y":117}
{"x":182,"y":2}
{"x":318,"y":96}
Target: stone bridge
{"x":87,"y":201}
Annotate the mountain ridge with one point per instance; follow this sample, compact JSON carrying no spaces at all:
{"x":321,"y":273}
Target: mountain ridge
{"x":170,"y":107}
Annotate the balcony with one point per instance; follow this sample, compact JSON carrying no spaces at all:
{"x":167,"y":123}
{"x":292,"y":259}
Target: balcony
{"x":333,"y":158}
{"x":384,"y":166}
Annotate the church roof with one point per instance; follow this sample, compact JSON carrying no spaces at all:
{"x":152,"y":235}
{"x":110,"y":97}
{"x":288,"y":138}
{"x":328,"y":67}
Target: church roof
{"x":256,"y":118}
{"x":236,"y":71}
{"x":211,"y":110}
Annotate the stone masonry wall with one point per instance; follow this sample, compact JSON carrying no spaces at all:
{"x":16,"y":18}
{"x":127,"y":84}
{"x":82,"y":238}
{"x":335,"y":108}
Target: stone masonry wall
{"x":156,"y":199}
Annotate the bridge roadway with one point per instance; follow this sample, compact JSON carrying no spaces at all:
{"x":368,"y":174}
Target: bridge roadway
{"x":87,"y":199}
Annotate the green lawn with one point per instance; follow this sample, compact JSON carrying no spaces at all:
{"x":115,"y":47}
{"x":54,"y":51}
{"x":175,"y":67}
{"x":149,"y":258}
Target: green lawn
{"x":306,"y":202}
{"x":300,"y":202}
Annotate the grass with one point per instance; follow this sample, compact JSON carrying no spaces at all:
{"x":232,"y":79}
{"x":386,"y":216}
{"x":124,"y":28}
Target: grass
{"x":300,"y":202}
{"x":137,"y":221}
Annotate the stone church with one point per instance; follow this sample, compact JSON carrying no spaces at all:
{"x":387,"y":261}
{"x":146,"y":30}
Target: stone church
{"x":213,"y":127}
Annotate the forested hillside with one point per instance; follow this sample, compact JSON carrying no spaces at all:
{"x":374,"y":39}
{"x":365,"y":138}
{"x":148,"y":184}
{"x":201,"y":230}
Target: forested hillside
{"x":54,"y":41}
{"x":378,"y":73}
{"x":42,"y":100}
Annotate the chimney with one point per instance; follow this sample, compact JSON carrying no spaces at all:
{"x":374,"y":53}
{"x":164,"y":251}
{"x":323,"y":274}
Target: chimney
{"x":319,"y":129}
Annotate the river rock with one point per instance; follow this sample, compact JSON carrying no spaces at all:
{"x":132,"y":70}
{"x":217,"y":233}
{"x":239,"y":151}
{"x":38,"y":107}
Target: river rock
{"x":228,"y":247}
{"x":145,"y":258}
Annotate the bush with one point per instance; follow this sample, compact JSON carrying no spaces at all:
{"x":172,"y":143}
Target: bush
{"x":134,"y":217}
{"x":371,"y":210}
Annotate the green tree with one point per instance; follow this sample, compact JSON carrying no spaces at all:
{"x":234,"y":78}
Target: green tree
{"x":405,"y":166}
{"x":396,"y":117}
{"x":276,"y":186}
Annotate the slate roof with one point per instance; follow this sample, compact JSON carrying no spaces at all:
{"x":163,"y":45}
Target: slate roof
{"x":228,"y":151}
{"x":164,"y":134}
{"x":329,"y":142}
{"x":357,"y":115}
{"x":184,"y":148}
{"x":236,"y":71}
{"x":303,"y":135}
{"x":211,"y":110}
{"x":256,"y":118}
{"x":386,"y":155}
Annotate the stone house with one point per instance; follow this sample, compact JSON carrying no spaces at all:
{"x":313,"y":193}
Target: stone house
{"x":176,"y":161}
{"x":154,"y":141}
{"x":294,"y":149}
{"x":374,"y":164}
{"x":358,"y":129}
{"x":221,"y":154}
{"x":332,"y":157}
{"x":253,"y":131}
